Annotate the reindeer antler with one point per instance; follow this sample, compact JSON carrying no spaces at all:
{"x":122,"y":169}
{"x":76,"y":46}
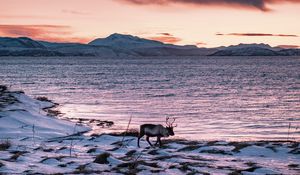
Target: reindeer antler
{"x":167,"y":121}
{"x":170,"y":124}
{"x":173,"y":122}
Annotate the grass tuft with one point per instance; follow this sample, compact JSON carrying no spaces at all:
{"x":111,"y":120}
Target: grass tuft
{"x":3,"y":88}
{"x":293,"y":165}
{"x":130,"y":153}
{"x":43,"y":99}
{"x":17,"y":154}
{"x":238,"y":146}
{"x":92,"y":150}
{"x":102,"y":158}
{"x":53,"y":113}
{"x":81,"y":168}
{"x":216,"y":151}
{"x":4,"y":145}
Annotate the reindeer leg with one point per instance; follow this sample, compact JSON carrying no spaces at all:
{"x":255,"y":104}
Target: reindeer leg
{"x":139,"y":137}
{"x":160,"y":144}
{"x":147,"y":138}
{"x":158,"y":139}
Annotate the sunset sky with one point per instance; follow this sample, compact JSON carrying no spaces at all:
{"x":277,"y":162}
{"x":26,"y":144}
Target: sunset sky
{"x":206,"y":23}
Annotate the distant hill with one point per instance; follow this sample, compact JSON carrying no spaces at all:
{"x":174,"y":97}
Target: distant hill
{"x":125,"y":42}
{"x":289,"y":52}
{"x":128,"y":45}
{"x":22,"y":42}
{"x":247,"y":50}
{"x":241,"y":46}
{"x":146,"y":47}
{"x":255,"y":50}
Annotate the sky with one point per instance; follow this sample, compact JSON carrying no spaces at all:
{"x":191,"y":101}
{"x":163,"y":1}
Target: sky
{"x":205,"y":23}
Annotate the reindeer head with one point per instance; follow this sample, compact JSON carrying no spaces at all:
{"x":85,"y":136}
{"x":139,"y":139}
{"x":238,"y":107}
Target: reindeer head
{"x":170,"y":125}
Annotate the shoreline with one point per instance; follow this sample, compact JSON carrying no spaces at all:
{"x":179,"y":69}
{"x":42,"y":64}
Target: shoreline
{"x":38,"y":152}
{"x":235,"y":104}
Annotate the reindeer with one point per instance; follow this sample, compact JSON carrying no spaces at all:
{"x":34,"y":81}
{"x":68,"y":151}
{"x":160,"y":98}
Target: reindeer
{"x":151,"y":130}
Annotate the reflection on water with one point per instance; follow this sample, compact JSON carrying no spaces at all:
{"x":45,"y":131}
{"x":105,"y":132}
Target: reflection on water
{"x":212,"y":98}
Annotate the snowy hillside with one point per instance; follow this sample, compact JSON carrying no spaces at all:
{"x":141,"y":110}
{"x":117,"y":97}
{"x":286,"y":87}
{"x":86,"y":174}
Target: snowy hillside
{"x":22,"y":42}
{"x":254,"y":50}
{"x":246,"y":51}
{"x":254,"y":45}
{"x":24,"y":117}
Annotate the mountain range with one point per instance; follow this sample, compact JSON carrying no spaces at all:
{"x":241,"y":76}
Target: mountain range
{"x":128,"y":45}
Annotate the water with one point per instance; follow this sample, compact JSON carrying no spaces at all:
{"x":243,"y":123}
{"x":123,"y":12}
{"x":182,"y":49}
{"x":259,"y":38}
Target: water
{"x":212,"y":98}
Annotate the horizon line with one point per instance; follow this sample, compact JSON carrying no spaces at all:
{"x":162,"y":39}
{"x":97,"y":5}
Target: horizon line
{"x":283,"y":46}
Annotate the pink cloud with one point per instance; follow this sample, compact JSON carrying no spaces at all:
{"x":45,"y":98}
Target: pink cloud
{"x":249,"y":4}
{"x":257,"y":34}
{"x":200,"y":44}
{"x":289,"y":46}
{"x":166,"y":38}
{"x":165,"y":34}
{"x":55,"y":33}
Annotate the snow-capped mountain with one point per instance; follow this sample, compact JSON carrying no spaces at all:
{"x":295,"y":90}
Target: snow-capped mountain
{"x":246,"y":51}
{"x":125,"y":42}
{"x":242,"y":46}
{"x":146,"y":47}
{"x":128,"y":45}
{"x":254,"y":50}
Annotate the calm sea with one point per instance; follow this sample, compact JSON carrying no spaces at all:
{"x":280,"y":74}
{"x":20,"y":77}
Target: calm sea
{"x":224,"y":98}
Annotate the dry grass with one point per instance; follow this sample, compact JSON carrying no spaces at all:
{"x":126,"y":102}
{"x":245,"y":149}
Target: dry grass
{"x":130,"y":132}
{"x":3,"y":88}
{"x":17,"y":154}
{"x":130,"y":153}
{"x":216,"y":151}
{"x":53,"y":113}
{"x":102,"y":158}
{"x":58,"y":158}
{"x":43,"y":99}
{"x":92,"y":150}
{"x":4,"y":145}
{"x":293,"y":165}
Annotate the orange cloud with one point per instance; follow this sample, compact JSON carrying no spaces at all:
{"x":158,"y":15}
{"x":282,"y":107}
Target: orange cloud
{"x":165,"y":34}
{"x":200,"y":44}
{"x":54,"y":33}
{"x":166,"y":38}
{"x":256,"y":34}
{"x":250,"y":4}
{"x":289,"y":46}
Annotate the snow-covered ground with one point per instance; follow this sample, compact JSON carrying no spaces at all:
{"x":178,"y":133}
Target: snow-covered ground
{"x":22,"y":117}
{"x":32,"y":142}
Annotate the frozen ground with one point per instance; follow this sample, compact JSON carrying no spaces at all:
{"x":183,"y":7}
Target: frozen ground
{"x":52,"y":146}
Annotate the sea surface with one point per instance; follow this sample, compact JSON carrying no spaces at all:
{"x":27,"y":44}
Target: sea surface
{"x":212,"y":98}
